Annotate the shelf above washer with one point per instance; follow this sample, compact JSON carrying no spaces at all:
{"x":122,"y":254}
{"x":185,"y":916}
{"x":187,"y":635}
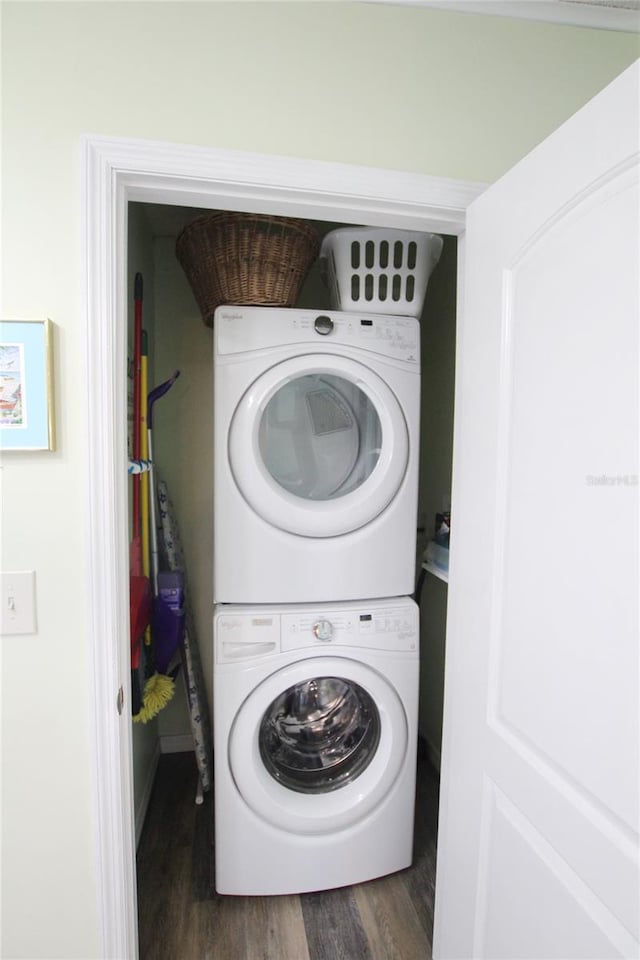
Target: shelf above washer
{"x":436,"y":571}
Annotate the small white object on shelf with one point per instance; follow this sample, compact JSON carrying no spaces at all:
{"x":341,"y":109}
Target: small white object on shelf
{"x":436,"y":560}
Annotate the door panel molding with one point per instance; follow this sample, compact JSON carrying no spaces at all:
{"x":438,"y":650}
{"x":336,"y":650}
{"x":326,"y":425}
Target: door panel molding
{"x":551,"y":871}
{"x":116,"y":172}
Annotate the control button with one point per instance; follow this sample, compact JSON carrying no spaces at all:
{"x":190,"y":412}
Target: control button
{"x":323,"y":325}
{"x":323,"y":630}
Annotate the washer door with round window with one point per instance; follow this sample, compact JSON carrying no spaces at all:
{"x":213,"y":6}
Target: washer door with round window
{"x":318,"y":745}
{"x":318,"y":445}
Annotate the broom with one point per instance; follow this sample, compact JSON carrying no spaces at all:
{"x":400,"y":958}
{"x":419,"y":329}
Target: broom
{"x":139,"y":585}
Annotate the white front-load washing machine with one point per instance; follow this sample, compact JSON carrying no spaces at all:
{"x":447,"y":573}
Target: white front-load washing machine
{"x":316,"y":433}
{"x":315,"y":730}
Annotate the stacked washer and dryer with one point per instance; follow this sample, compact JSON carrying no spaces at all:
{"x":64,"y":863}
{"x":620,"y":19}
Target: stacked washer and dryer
{"x":316,"y":637}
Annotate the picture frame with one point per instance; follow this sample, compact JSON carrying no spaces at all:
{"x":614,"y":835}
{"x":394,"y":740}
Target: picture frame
{"x":26,"y":385}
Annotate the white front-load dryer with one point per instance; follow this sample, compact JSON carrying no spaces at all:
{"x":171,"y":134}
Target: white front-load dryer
{"x":315,"y":732}
{"x":316,"y":432}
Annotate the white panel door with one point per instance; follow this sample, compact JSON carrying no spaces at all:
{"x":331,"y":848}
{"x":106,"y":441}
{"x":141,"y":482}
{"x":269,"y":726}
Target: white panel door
{"x":538,"y":843}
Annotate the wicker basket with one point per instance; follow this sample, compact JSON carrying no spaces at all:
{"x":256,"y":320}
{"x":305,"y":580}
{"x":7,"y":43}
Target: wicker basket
{"x":240,"y":258}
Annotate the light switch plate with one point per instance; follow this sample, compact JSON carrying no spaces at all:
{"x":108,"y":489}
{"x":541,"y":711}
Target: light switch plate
{"x":18,"y":602}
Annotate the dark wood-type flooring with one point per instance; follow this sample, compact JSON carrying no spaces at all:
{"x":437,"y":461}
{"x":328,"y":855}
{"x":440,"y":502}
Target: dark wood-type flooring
{"x":181,"y":917}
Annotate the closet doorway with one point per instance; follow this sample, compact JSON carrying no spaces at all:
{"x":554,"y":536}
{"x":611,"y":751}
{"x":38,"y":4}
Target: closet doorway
{"x":119,"y":172}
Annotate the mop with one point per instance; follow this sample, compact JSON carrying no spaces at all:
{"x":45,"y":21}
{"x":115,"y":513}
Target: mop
{"x":159,"y":688}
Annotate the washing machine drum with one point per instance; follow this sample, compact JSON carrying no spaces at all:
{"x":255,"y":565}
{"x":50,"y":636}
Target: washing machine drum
{"x":318,"y":447}
{"x":319,"y":735}
{"x":318,"y":745}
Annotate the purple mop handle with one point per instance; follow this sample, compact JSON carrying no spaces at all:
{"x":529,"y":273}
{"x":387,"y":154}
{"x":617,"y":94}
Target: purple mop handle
{"x":157,"y":393}
{"x":153,"y":521}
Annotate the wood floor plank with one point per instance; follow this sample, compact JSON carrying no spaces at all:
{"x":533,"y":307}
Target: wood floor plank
{"x":420,"y":879}
{"x":334,"y":926}
{"x":246,"y":928}
{"x":390,"y":921}
{"x":283,"y":920}
{"x":202,"y":860}
{"x":164,"y":861}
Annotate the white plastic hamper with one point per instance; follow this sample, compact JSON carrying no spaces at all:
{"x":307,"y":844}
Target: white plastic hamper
{"x":375,"y":270}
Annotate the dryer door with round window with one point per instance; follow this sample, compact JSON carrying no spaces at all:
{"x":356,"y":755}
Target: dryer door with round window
{"x":318,"y":744}
{"x":318,"y":445}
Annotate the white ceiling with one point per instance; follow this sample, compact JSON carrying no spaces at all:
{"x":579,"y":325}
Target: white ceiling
{"x":600,"y":14}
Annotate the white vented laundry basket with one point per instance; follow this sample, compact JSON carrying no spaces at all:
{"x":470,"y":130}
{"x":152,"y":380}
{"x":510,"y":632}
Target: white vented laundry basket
{"x":375,"y":270}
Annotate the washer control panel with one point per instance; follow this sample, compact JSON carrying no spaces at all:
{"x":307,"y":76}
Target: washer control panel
{"x":379,"y":629}
{"x":248,"y":634}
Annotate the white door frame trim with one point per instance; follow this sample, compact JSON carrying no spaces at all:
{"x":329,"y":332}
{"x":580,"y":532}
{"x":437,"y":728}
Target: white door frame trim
{"x":117,"y":171}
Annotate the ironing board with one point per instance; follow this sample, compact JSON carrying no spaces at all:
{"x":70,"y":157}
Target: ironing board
{"x":189,"y":650}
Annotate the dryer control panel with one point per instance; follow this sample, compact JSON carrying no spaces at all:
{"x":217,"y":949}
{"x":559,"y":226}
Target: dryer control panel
{"x":242,"y":329}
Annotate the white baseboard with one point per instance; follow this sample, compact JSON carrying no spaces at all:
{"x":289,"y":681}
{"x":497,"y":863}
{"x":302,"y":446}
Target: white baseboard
{"x":143,"y":804}
{"x":183,"y":743}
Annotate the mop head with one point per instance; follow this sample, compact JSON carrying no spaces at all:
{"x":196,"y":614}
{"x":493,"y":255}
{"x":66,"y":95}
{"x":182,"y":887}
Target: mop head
{"x":158,"y":691}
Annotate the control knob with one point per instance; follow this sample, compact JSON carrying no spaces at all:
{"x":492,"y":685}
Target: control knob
{"x":323,"y":630}
{"x":323,"y":325}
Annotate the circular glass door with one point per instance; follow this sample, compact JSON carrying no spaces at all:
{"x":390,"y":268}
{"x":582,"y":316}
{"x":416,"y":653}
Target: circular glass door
{"x":318,"y":744}
{"x":320,"y":436}
{"x":318,"y":445}
{"x":319,"y":735}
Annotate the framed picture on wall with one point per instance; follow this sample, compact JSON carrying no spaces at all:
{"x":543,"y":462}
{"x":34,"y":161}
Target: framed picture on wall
{"x":26,"y":385}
